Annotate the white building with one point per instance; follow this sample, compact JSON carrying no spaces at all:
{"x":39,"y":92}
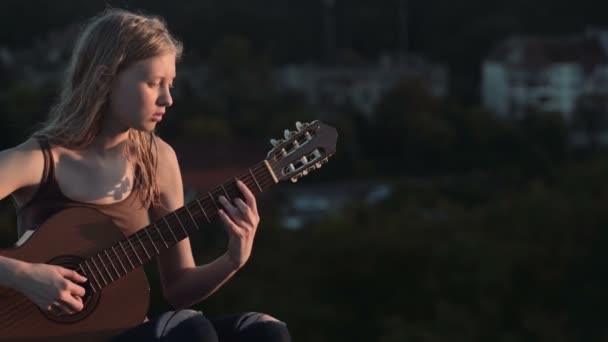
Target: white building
{"x":548,"y":74}
{"x":300,"y":206}
{"x":330,"y":87}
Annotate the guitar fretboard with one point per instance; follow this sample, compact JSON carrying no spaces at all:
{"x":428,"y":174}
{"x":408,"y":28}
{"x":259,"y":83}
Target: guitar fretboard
{"x":141,"y":247}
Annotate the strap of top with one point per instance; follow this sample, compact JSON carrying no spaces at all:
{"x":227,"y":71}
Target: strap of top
{"x":47,"y":173}
{"x":49,"y":165}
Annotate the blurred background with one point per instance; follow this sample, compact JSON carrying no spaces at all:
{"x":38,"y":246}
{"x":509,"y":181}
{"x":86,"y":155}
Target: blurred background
{"x":467,"y":199}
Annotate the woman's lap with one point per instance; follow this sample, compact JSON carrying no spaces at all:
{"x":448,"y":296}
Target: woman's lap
{"x":184,"y":325}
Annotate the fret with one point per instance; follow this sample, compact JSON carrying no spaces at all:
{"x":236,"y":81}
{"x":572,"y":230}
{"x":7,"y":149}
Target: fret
{"x":180,"y":222}
{"x":111,"y":263}
{"x":118,"y":257}
{"x":213,"y":200}
{"x":236,"y":186}
{"x":135,"y":251}
{"x":106,"y":267}
{"x":256,"y":181}
{"x":270,"y":172}
{"x":170,"y":230}
{"x":93,"y":274}
{"x":142,"y":244}
{"x":127,"y":255}
{"x":99,"y":270}
{"x":161,"y":235}
{"x":192,"y":218}
{"x":203,"y":209}
{"x":227,"y":195}
{"x":152,"y":240}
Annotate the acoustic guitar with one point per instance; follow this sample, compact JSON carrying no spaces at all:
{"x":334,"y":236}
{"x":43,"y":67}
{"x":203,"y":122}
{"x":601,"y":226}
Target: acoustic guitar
{"x":117,"y":292}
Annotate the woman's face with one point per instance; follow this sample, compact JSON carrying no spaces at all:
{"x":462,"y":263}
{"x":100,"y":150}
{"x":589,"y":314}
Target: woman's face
{"x":140,"y":94}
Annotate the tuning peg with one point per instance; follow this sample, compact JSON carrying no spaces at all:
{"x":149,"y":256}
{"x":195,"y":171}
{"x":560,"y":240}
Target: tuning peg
{"x":299,"y":126}
{"x":274,"y":142}
{"x":287,"y":134}
{"x":318,"y":165}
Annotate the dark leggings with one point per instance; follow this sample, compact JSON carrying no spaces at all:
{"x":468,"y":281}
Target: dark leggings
{"x":190,"y":325}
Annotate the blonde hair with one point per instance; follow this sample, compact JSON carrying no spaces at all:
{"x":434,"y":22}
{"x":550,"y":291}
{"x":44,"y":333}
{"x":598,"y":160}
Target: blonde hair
{"x":109,"y":43}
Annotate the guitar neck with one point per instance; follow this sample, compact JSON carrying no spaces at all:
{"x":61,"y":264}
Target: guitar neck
{"x":139,"y":248}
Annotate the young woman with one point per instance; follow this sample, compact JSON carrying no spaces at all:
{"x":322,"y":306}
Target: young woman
{"x":98,"y":149}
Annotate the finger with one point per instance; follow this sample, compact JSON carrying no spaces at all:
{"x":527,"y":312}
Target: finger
{"x":229,"y":224}
{"x":72,"y":304}
{"x":77,"y":290}
{"x":231,"y":229}
{"x":58,"y":308}
{"x":232,"y":210}
{"x":249,"y":197}
{"x":245,"y":210}
{"x":72,"y":275}
{"x":54,"y":307}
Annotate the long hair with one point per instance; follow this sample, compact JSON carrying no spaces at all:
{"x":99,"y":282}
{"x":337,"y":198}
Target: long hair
{"x":109,"y":43}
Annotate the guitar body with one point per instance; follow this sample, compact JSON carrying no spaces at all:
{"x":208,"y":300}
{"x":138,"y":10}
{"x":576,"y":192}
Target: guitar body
{"x":65,"y":239}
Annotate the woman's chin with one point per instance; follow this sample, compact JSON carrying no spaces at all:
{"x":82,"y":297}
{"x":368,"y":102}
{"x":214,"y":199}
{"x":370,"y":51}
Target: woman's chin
{"x":147,"y":127}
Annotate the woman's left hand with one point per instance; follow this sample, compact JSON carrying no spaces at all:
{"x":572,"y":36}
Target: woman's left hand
{"x":241,"y":222}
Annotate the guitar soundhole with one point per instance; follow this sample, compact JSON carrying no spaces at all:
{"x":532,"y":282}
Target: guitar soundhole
{"x":90,"y":298}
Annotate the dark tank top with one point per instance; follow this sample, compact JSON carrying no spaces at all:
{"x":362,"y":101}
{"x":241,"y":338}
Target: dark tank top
{"x":128,"y":214}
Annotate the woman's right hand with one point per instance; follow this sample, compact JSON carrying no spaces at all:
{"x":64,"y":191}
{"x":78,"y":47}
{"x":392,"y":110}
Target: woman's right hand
{"x":53,"y":288}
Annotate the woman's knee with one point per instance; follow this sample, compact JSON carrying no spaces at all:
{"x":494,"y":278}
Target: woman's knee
{"x":257,"y":326}
{"x":188,"y":325}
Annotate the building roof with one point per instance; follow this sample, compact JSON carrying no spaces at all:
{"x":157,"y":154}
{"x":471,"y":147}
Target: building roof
{"x":533,"y":52}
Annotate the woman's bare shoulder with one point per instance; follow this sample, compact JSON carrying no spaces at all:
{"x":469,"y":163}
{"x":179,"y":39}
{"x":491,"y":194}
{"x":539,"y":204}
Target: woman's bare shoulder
{"x":27,"y":154}
{"x":20,"y":166}
{"x":166,"y":154}
{"x":31,"y":145}
{"x":168,"y":170}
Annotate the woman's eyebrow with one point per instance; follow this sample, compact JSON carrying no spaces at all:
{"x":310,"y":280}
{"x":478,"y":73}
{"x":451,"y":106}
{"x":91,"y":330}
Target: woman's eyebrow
{"x":163,"y":77}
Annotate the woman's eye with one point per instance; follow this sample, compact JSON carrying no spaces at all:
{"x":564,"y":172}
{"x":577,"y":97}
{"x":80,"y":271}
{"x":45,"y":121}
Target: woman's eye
{"x":159,"y":84}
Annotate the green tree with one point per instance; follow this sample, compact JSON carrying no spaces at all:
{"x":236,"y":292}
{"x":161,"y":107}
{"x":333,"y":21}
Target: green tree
{"x":591,"y":118}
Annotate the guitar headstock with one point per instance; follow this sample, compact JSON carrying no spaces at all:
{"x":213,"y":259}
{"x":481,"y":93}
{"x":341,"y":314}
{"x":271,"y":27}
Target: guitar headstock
{"x":302,"y":151}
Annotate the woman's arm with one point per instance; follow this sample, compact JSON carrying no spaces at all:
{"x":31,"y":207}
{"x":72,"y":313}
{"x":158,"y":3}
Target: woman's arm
{"x":183,"y":282}
{"x":11,"y":270}
{"x":48,"y":286}
{"x":20,"y":166}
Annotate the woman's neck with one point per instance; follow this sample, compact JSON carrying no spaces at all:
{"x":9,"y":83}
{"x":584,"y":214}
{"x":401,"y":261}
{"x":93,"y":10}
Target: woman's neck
{"x":108,"y":146}
{"x":110,"y":142}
